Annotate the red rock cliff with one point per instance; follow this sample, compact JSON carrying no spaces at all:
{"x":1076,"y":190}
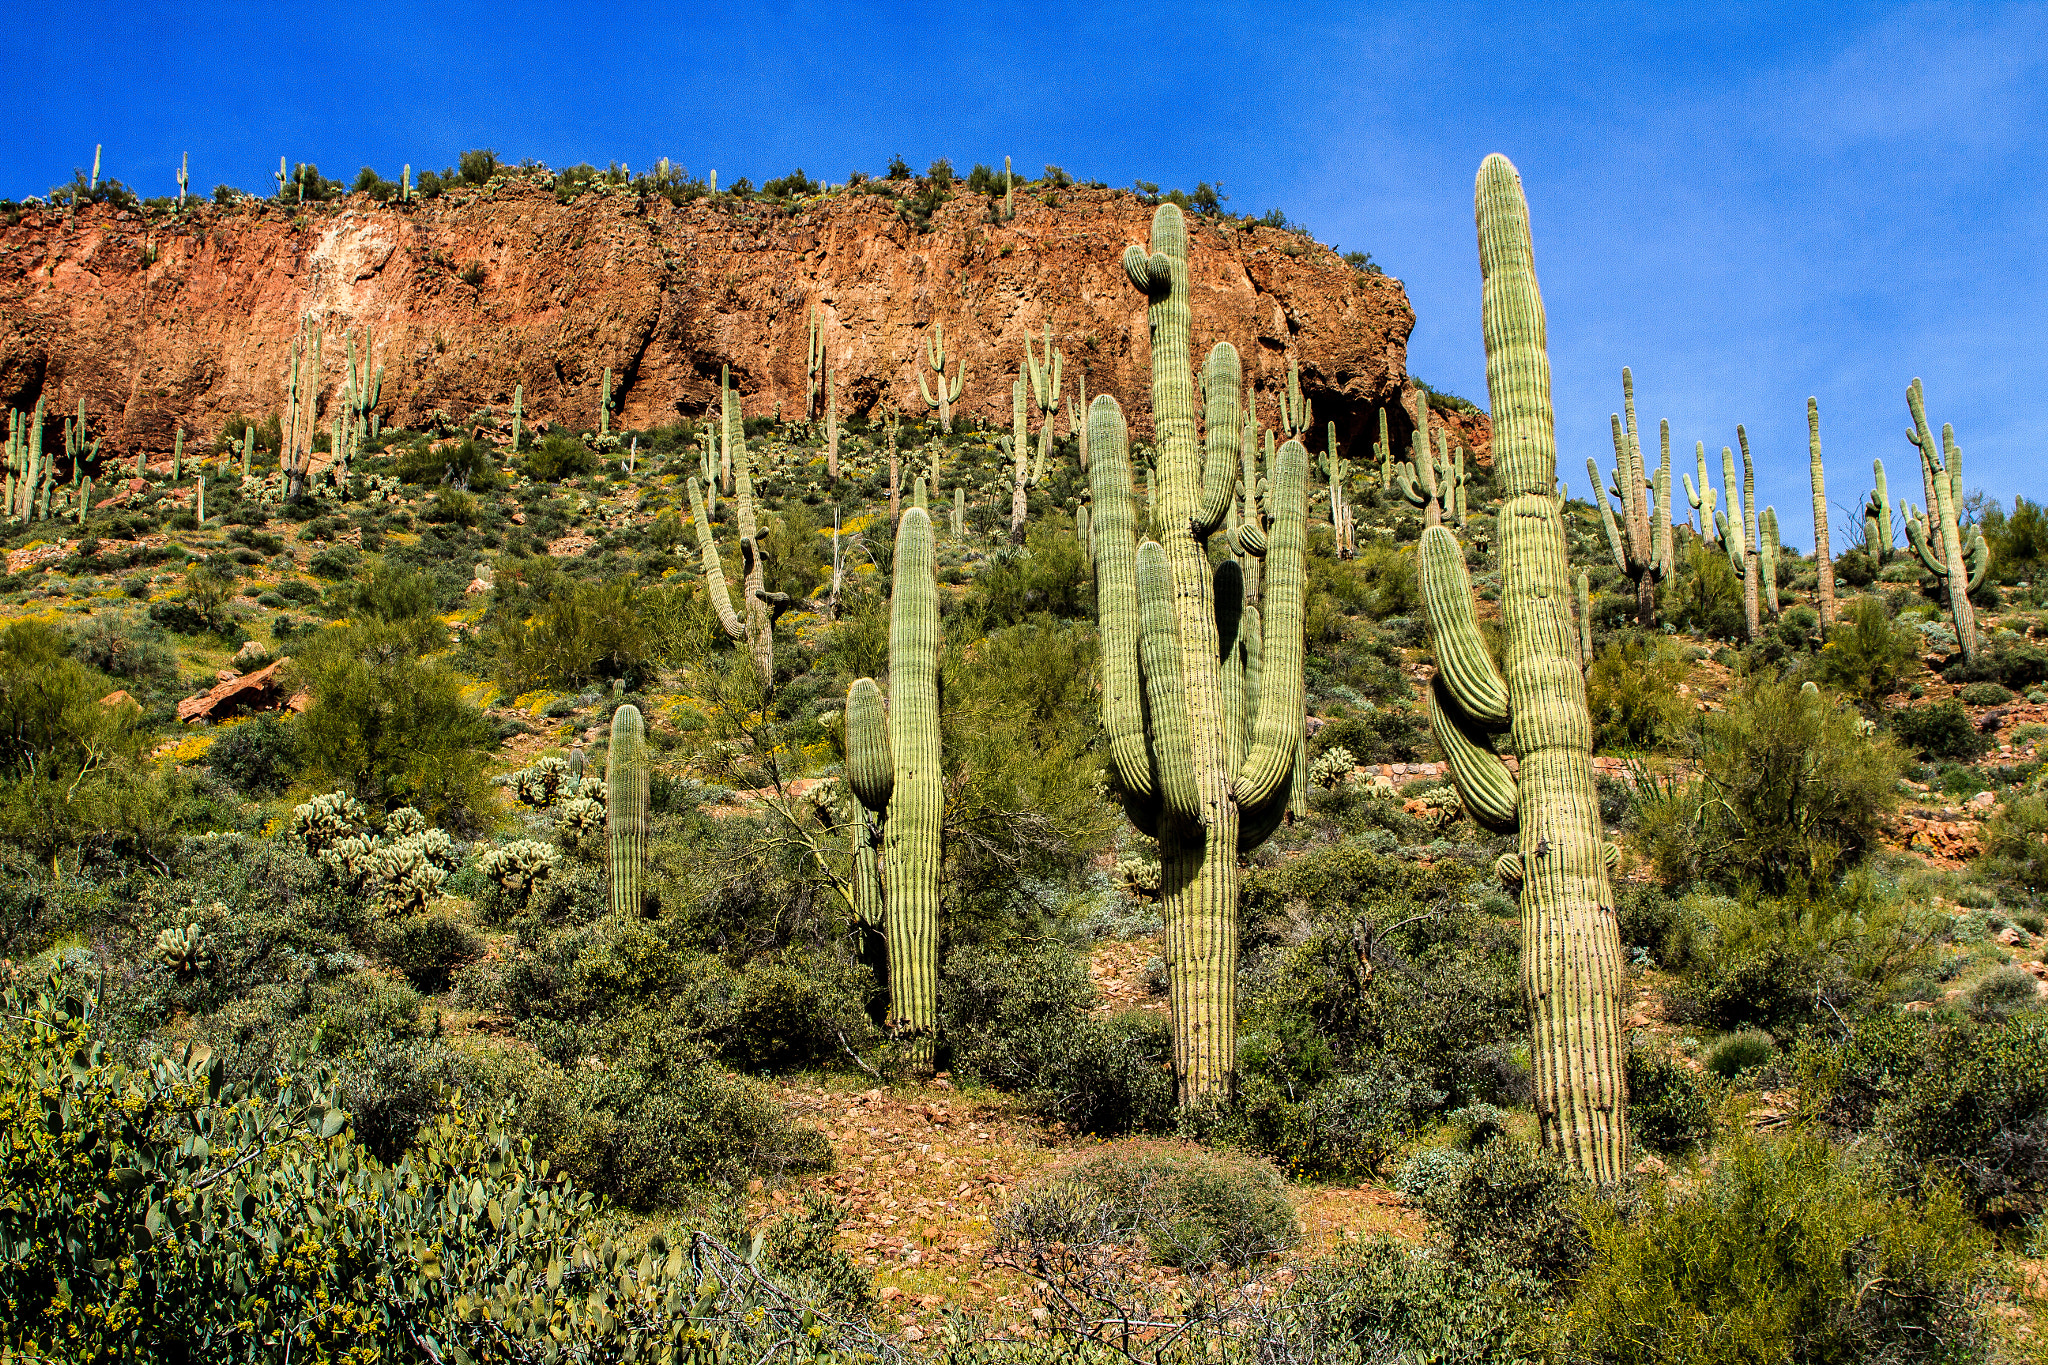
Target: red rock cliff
{"x":162,"y":322}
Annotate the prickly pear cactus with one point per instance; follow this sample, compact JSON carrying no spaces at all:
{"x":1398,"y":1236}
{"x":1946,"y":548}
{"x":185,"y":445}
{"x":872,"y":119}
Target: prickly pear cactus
{"x":1571,"y":947}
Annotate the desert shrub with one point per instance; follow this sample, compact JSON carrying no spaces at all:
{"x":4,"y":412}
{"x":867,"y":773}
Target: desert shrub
{"x":391,"y":728}
{"x":660,"y":1119}
{"x":1745,"y":1051}
{"x":2016,"y":844}
{"x":1939,"y":730}
{"x":558,"y":456}
{"x":258,"y":756}
{"x":1775,"y":964}
{"x":1961,"y":1100}
{"x":1385,"y":579}
{"x":566,"y":632}
{"x":1668,"y":1107}
{"x":1348,"y":1127}
{"x":1049,"y":574}
{"x":463,"y":464}
{"x":1706,"y":595}
{"x":803,"y":1246}
{"x":1009,"y":1013}
{"x":2008,"y":990}
{"x":135,"y":657}
{"x":1632,"y":694}
{"x":336,"y":564}
{"x":1867,"y":655}
{"x":1983,"y":694}
{"x":428,"y":948}
{"x":1391,"y":1302}
{"x":794,"y":1012}
{"x":1112,"y":1075}
{"x":1384,"y":734}
{"x":1504,"y":1204}
{"x":1191,"y":1210}
{"x":1790,"y":794}
{"x":1652,"y":920}
{"x":202,"y":610}
{"x":2017,"y":667}
{"x":1773,"y":1256}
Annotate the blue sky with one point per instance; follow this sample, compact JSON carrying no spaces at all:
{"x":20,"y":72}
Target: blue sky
{"x":1748,"y":203}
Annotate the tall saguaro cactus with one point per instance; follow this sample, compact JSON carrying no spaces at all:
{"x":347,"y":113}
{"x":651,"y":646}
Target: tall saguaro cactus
{"x":1642,"y":545}
{"x":1208,"y":776}
{"x":948,"y":392}
{"x":1701,"y":499}
{"x":1823,"y":560}
{"x":1937,"y":536}
{"x":757,"y":627}
{"x":625,"y":819}
{"x":1046,"y":386}
{"x":1571,"y":947}
{"x":896,"y":776}
{"x":1020,"y":460}
{"x":1877,"y":516}
{"x":814,"y":363}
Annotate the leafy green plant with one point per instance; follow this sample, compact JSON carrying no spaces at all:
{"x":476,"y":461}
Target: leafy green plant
{"x":1668,"y":1107}
{"x":1867,"y":655}
{"x":1741,"y":1052}
{"x":1939,"y":730}
{"x":1632,"y":694}
{"x":1774,"y":1255}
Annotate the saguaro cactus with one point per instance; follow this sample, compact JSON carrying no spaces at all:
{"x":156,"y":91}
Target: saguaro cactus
{"x":625,"y":807}
{"x":1701,"y":499}
{"x":1937,"y":535}
{"x":948,"y":393}
{"x":1571,"y":947}
{"x":898,"y":778}
{"x":1642,"y":545}
{"x":1209,"y":776}
{"x":1020,"y":460}
{"x":604,"y":404}
{"x":1877,"y":516}
{"x":1767,"y":528}
{"x":1823,"y":561}
{"x":1045,"y":392}
{"x":1296,"y":415}
{"x":814,"y":363}
{"x":1416,"y":479}
{"x":761,"y":607}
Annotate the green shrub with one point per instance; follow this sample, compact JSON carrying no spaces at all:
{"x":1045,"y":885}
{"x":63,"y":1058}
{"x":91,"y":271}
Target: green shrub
{"x":1668,"y":1108}
{"x":463,"y":464}
{"x":1738,"y":1053}
{"x":1112,"y":1076}
{"x":1632,"y":694}
{"x":793,"y":1013}
{"x":1191,"y":1210}
{"x":1782,"y":1252}
{"x":566,"y":632}
{"x":1962,"y":1101}
{"x":428,"y":948}
{"x":1388,"y":1302}
{"x":71,"y":769}
{"x":392,"y":729}
{"x":1866,"y":655}
{"x":2015,"y":849}
{"x":1506,"y":1204}
{"x":2008,"y":990}
{"x":1790,"y":794}
{"x":257,"y":756}
{"x":557,"y":457}
{"x":1776,"y":964}
{"x":1983,"y":694}
{"x":1348,"y":1127}
{"x":203,"y":610}
{"x":1048,"y":574}
{"x":1939,"y":730}
{"x":1009,"y":1013}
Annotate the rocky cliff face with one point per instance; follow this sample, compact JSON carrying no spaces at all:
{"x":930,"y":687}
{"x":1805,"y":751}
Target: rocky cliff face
{"x":164,"y":322}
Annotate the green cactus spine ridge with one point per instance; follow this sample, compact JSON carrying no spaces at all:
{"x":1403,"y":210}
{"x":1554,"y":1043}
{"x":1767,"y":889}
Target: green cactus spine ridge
{"x":1823,"y":560}
{"x":1572,"y":961}
{"x":625,"y":783}
{"x":1939,"y":539}
{"x":911,"y":832}
{"x":1585,"y":621}
{"x":1178,"y":642}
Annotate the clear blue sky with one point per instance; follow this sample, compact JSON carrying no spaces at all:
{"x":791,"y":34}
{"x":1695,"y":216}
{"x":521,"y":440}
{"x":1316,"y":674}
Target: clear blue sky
{"x":1747,"y":204}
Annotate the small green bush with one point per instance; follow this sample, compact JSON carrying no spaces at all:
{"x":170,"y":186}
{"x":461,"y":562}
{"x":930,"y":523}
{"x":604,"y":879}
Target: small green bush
{"x":258,"y":756}
{"x":1742,"y":1052}
{"x":1782,"y":1252}
{"x":558,"y":457}
{"x":1867,"y":655}
{"x":428,"y":948}
{"x":1983,"y":694}
{"x":2008,"y":990}
{"x":1939,"y":730}
{"x":2015,"y":850}
{"x":1668,"y":1108}
{"x":1195,"y":1209}
{"x":1632,"y":694}
{"x":1506,"y":1204}
{"x":1112,"y":1076}
{"x":1010,"y":1013}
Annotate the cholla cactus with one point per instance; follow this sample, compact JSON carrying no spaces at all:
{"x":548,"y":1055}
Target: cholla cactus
{"x":352,"y":859}
{"x":518,"y":867}
{"x":1440,"y":806}
{"x":406,"y":823}
{"x":581,"y":823}
{"x":323,"y":820}
{"x":543,"y":784}
{"x":1333,"y":769}
{"x":1138,"y":877}
{"x":184,"y":949}
{"x":406,"y":878}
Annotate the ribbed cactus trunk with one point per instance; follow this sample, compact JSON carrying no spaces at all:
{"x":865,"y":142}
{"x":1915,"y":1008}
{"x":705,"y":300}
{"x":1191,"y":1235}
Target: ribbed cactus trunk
{"x":1203,"y":776}
{"x":1941,"y":533}
{"x":871,"y":773}
{"x":1571,"y":948}
{"x":625,"y":781}
{"x":917,"y":800}
{"x":1752,"y":553}
{"x":1020,"y":469}
{"x":1768,"y":570}
{"x":1823,"y":558}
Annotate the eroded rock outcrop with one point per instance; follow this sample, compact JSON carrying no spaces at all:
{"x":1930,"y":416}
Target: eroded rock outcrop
{"x":161,"y":322}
